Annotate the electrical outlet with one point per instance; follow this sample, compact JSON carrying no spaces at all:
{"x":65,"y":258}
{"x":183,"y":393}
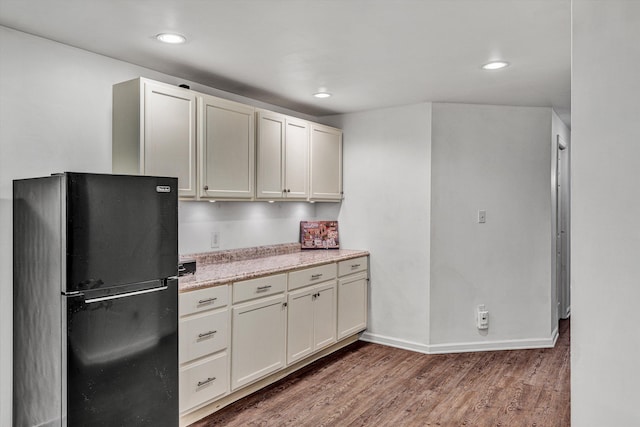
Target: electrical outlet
{"x":482,"y":317}
{"x":215,"y":239}
{"x":482,"y":216}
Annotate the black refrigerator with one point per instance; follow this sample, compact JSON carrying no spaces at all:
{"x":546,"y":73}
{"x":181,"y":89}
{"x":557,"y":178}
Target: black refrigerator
{"x":95,"y":301}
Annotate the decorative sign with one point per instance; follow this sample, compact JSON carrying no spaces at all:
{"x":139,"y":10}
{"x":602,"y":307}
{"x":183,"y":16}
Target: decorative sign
{"x":319,"y":234}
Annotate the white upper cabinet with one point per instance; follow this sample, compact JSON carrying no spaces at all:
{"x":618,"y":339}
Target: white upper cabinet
{"x":154,"y":132}
{"x":283,"y":157}
{"x":217,"y":151}
{"x":270,"y":143}
{"x":326,"y":163}
{"x":227,"y":149}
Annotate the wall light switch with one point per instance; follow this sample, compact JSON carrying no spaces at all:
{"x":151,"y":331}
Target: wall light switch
{"x":482,"y":216}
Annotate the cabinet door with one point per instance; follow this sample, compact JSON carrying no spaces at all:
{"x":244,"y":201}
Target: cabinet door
{"x":227,"y":149}
{"x":169,"y":135}
{"x":352,"y":305}
{"x":258,"y":339}
{"x":271,"y":134}
{"x":326,"y":163}
{"x":300,"y":342}
{"x":324,"y":309}
{"x":296,"y":172}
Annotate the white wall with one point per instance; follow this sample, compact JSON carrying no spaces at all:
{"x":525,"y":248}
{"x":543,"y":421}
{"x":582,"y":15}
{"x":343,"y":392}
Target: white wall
{"x":55,"y":115}
{"x":241,"y":224}
{"x":386,"y":210}
{"x":497,"y":159}
{"x":605,"y":276}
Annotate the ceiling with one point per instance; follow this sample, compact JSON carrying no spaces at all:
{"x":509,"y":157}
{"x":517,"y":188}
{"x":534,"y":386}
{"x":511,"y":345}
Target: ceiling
{"x":368,"y":53}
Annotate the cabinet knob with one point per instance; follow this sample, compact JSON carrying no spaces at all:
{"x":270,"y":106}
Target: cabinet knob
{"x":206,"y":187}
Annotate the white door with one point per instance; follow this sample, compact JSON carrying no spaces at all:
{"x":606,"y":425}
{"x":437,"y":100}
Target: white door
{"x":227,"y":149}
{"x":326,"y":163}
{"x":170,"y":135}
{"x":562,"y":223}
{"x":324,"y":332}
{"x":300,"y":324}
{"x":296,"y":172}
{"x":271,"y":135}
{"x":352,"y":304}
{"x":258,"y":339}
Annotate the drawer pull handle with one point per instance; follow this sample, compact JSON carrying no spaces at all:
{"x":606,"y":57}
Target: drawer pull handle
{"x":263,"y":288}
{"x":204,"y":301}
{"x":316,"y":276}
{"x":207,"y":381}
{"x":206,"y":334}
{"x":355,"y":265}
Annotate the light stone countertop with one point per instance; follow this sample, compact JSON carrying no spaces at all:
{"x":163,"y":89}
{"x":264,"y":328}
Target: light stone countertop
{"x":262,"y":261}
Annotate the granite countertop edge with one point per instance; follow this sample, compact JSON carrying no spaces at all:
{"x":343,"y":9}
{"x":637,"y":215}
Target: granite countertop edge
{"x":223,"y":273}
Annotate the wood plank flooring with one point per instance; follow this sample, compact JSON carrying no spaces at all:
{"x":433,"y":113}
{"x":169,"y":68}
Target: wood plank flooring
{"x":373,"y":385}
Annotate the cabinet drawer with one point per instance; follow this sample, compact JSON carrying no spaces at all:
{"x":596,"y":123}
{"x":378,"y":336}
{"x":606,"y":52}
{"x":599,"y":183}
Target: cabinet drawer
{"x":354,"y":265}
{"x":311,"y":276}
{"x":256,"y":288}
{"x":203,"y":299}
{"x":203,"y":334}
{"x":203,"y":381}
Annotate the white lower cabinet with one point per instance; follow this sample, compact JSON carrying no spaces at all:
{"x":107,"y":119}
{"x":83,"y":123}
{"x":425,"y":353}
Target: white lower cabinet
{"x":352,"y":296}
{"x":275,"y":323}
{"x":204,"y":380}
{"x":258,"y":339}
{"x":203,"y":334}
{"x":203,"y":339}
{"x":311,"y":320}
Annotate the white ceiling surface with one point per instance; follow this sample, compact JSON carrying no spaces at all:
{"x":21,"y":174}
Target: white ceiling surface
{"x":369,"y":53}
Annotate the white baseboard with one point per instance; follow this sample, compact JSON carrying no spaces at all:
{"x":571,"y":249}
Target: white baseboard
{"x":395,"y":342}
{"x":520,"y":344}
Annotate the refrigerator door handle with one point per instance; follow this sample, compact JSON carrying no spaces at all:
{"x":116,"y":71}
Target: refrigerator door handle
{"x":128,"y":294}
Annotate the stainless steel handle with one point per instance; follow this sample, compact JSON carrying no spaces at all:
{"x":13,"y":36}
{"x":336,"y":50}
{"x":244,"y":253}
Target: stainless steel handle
{"x":355,"y":265}
{"x":206,"y":334}
{"x":129,"y":294}
{"x":207,"y":381}
{"x":263,"y":288}
{"x":316,"y":276}
{"x":203,"y":301}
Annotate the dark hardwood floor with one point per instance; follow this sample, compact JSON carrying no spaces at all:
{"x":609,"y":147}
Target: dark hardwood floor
{"x":373,"y":385}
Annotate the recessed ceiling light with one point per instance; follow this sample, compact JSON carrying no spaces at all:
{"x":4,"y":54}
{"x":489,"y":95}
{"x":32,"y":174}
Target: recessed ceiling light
{"x":171,"y":38}
{"x":322,"y":94}
{"x":495,"y":65}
